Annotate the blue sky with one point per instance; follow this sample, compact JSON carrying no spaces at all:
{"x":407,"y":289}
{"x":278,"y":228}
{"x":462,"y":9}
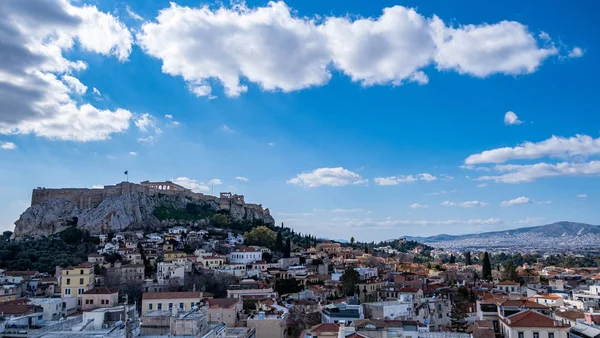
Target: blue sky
{"x":345,"y":118}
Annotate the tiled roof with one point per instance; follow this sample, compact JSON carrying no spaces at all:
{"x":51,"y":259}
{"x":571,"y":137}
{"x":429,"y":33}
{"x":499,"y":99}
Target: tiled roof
{"x":521,"y":303}
{"x":508,"y":282}
{"x":570,"y":315}
{"x":19,"y":309}
{"x":21,"y":273}
{"x":531,"y":318}
{"x":324,"y":327}
{"x":171,"y":295}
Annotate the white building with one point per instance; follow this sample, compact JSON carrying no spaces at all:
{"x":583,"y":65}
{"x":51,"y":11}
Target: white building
{"x":52,"y":307}
{"x":531,"y":324}
{"x":245,"y":256}
{"x":166,"y":271}
{"x":391,"y":310}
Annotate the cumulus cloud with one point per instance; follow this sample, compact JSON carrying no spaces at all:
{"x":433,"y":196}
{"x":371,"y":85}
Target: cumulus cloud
{"x":145,"y":122}
{"x":242,"y":178}
{"x":582,"y":195}
{"x":512,"y":173}
{"x":396,"y":180}
{"x":8,"y":145}
{"x":516,"y":201}
{"x":576,"y":52}
{"x":511,"y":119}
{"x":278,"y":50}
{"x":191,"y":184}
{"x":578,"y":145}
{"x":147,"y":140}
{"x":215,"y":181}
{"x":334,"y":177}
{"x":96,"y":92}
{"x":227,"y":129}
{"x":37,"y":81}
{"x":132,"y":153}
{"x":418,"y":206}
{"x":465,"y":204}
{"x":169,"y":116}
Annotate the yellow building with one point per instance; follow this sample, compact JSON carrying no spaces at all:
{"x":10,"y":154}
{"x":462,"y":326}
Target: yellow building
{"x":170,"y":255}
{"x":211,"y":262}
{"x":75,"y":280}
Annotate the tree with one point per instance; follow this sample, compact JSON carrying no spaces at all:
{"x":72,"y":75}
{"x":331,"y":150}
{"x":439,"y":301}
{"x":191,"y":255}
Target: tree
{"x":487,"y":267}
{"x":366,"y":248}
{"x":452,"y":259}
{"x":305,"y":316}
{"x":510,"y":271}
{"x":261,"y":236}
{"x":290,"y":285}
{"x":287,"y":250}
{"x":468,"y":258}
{"x":349,"y":280}
{"x":351,"y":240}
{"x":220,"y":220}
{"x":279,"y":244}
{"x":6,"y":235}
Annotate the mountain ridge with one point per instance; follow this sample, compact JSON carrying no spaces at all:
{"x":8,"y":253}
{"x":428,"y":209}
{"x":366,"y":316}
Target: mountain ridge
{"x":556,"y":229}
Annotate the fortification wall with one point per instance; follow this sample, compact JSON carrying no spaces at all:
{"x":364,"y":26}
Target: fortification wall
{"x":91,"y":198}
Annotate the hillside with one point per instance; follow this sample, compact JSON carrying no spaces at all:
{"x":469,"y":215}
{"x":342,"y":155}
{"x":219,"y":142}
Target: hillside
{"x":129,"y":206}
{"x":558,"y":229}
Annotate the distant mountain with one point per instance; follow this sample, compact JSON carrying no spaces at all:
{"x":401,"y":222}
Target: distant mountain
{"x":558,"y":229}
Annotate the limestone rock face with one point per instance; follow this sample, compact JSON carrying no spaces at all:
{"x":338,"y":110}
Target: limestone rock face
{"x":133,"y":211}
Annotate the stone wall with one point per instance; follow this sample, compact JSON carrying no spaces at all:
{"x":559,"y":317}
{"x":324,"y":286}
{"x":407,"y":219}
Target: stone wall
{"x":86,"y":198}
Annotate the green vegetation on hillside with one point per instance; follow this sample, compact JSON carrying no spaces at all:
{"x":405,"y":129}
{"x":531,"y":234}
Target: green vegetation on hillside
{"x":67,"y":248}
{"x":192,"y":212}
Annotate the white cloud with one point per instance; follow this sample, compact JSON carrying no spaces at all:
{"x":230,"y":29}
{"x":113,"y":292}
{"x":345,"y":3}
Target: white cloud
{"x":96,"y":91}
{"x":132,"y":153}
{"x":334,"y":177}
{"x":442,"y":192}
{"x":279,"y":51}
{"x":8,"y":145}
{"x":513,"y":173}
{"x":511,"y":119}
{"x":395,"y":180}
{"x":529,"y":220}
{"x":582,"y":195}
{"x":175,"y":123}
{"x":271,"y":144}
{"x":242,"y":178}
{"x":145,"y":122}
{"x":418,"y":206}
{"x":465,"y":204}
{"x":38,"y":83}
{"x":576,"y":52}
{"x":544,"y":36}
{"x":516,"y":201}
{"x":482,"y":185}
{"x":487,"y":221}
{"x":347,"y":210}
{"x":147,"y":140}
{"x":506,"y":47}
{"x":191,"y":184}
{"x":578,"y":145}
{"x":97,"y":186}
{"x":169,"y":116}
{"x":543,"y":202}
{"x":226,"y":128}
{"x":133,"y":14}
{"x":74,"y":84}
{"x":215,"y":181}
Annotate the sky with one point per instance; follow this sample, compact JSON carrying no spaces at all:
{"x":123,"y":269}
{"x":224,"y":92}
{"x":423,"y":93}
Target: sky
{"x":371,"y":119}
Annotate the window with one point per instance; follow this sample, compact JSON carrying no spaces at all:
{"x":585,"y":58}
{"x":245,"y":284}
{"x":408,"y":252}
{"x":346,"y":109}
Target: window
{"x":68,"y":281}
{"x":66,"y":272}
{"x":67,"y":291}
{"x":536,"y":335}
{"x":550,"y":334}
{"x":521,"y":335}
{"x":150,"y":306}
{"x":80,"y":291}
{"x":171,"y":306}
{"x":91,"y":301}
{"x":181,"y":307}
{"x":81,"y":272}
{"x":80,"y":281}
{"x":87,"y":301}
{"x":159,"y":306}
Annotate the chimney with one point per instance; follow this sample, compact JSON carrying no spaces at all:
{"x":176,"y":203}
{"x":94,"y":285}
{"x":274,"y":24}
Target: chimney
{"x":342,"y":329}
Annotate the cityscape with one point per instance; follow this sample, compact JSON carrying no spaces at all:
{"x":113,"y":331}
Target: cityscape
{"x":299,"y":169}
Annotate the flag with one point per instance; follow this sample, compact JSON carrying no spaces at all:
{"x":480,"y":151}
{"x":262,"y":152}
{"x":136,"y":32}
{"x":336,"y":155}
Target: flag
{"x":126,"y":172}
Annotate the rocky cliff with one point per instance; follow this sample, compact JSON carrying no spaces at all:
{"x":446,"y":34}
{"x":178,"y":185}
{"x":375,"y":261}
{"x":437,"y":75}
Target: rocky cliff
{"x":131,"y":211}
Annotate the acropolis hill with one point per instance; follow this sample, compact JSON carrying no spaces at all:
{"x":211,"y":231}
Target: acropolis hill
{"x":128,"y":205}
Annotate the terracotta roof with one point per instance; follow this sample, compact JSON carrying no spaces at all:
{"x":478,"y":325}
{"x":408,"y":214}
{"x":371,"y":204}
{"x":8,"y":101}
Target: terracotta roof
{"x":19,"y":309}
{"x":324,"y":327}
{"x":410,"y":290}
{"x":171,"y":295}
{"x":22,"y":301}
{"x":531,"y":318}
{"x":225,"y":303}
{"x":246,"y":250}
{"x":101,"y":290}
{"x":508,"y":282}
{"x":570,"y":315}
{"x":523,"y":303}
{"x":21,"y":273}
